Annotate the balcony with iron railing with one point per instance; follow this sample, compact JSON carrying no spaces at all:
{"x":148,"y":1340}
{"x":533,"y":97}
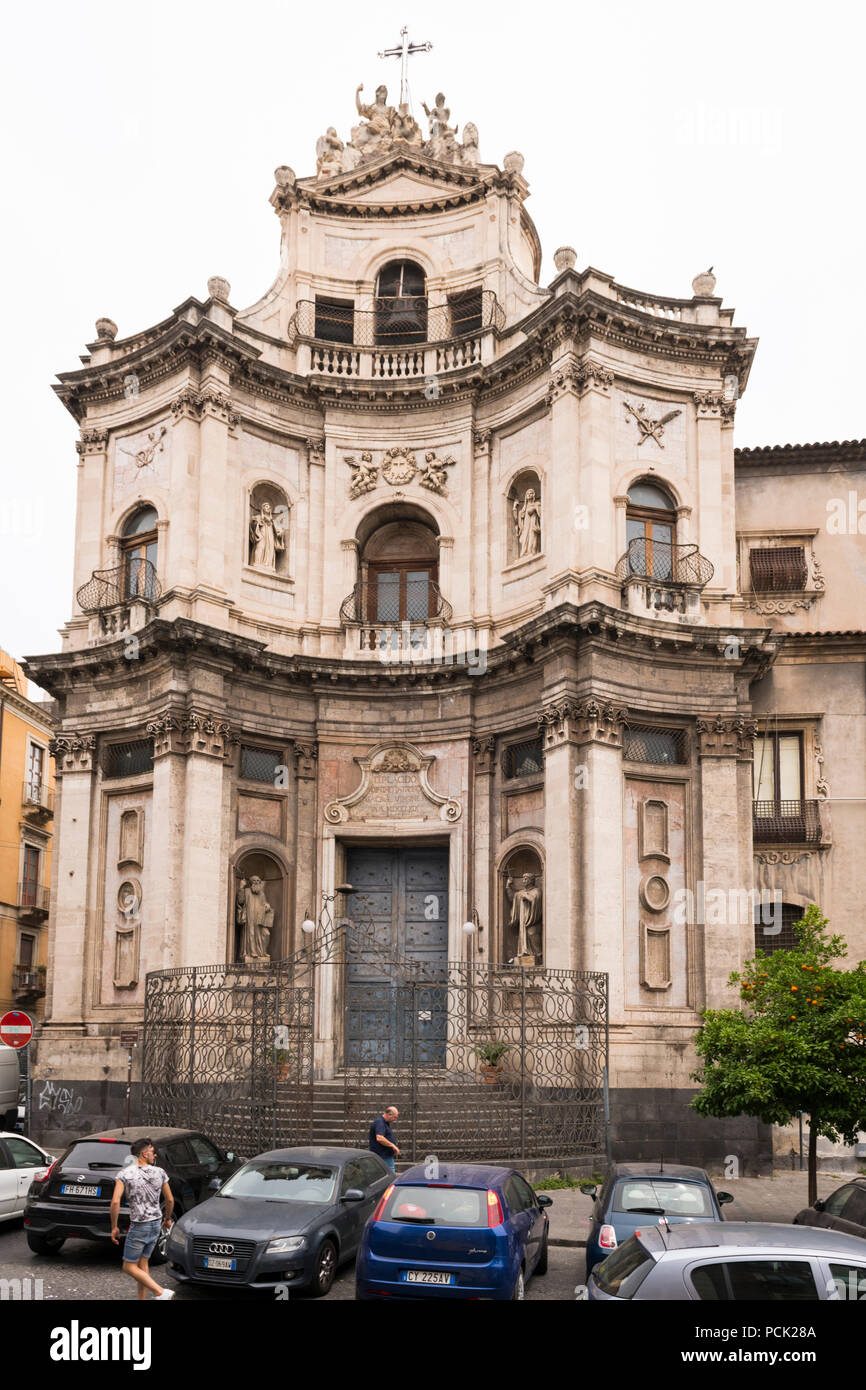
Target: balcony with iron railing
{"x":28,"y":982}
{"x":786,"y":823}
{"x":407,"y":639}
{"x":661,"y":579}
{"x":37,"y":799}
{"x":120,"y":599}
{"x":399,"y":339}
{"x":33,"y":901}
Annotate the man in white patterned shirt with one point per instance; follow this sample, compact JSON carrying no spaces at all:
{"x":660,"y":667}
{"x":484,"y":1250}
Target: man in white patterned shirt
{"x":143,"y":1183}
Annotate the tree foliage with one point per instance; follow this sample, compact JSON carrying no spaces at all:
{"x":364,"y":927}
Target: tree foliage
{"x":798,"y":1041}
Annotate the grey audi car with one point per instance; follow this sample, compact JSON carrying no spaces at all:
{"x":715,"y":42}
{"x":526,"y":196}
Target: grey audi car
{"x":287,"y":1217}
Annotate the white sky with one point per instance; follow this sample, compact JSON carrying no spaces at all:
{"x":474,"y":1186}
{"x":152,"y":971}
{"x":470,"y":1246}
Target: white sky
{"x":140,"y":144}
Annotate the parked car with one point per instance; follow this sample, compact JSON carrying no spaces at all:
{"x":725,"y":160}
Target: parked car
{"x":9,"y":1086}
{"x":291,"y":1216}
{"x":633,"y":1191}
{"x":843,"y":1210}
{"x":20,"y":1162}
{"x":473,"y":1231}
{"x":73,"y":1199}
{"x":732,"y":1261}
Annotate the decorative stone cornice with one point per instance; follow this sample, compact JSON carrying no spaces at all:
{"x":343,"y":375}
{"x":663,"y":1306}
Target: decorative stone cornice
{"x":720,"y":737}
{"x":92,"y":442}
{"x":73,"y":752}
{"x":586,"y":721}
{"x":483,"y":749}
{"x":306,"y":756}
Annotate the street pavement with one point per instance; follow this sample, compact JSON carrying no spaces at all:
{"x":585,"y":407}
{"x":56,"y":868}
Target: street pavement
{"x":83,"y":1270}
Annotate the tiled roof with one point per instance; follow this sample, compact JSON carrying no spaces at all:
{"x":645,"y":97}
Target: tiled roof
{"x":846,"y":450}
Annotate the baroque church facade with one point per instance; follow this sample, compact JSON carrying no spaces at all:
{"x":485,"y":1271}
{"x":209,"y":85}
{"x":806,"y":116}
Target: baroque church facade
{"x":423,"y":577}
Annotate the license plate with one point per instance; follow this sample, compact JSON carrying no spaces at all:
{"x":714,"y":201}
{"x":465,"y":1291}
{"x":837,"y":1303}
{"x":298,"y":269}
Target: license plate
{"x":75,"y":1189}
{"x":211,"y":1262}
{"x":426,"y":1276}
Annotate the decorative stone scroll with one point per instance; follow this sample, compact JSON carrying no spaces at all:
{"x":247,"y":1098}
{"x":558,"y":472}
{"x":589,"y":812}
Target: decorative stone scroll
{"x":395,"y":787}
{"x":73,"y":752}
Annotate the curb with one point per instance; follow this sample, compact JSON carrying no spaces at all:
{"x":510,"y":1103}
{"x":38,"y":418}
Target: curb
{"x":570,"y":1244}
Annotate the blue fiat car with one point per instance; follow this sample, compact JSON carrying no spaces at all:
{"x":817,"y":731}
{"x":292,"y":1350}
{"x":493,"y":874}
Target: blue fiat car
{"x":472,"y":1231}
{"x":634,"y":1191}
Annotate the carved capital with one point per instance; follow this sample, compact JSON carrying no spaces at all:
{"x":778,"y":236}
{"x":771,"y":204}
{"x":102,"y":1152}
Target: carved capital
{"x":73,"y":752}
{"x":585,"y":721}
{"x":306,"y":756}
{"x":92,"y":442}
{"x":720,"y":737}
{"x":187,"y":405}
{"x":316,"y":450}
{"x":483,"y":749}
{"x":207,"y":734}
{"x":167,"y":733}
{"x":218,"y":406}
{"x":482,"y":440}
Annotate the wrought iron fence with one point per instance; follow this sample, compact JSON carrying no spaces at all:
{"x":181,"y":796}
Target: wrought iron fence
{"x":134,"y":581}
{"x":664,"y":563}
{"x":483,"y":1061}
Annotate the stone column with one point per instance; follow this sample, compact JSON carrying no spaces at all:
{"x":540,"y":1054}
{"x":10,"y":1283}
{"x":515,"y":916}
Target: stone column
{"x":71,"y":918}
{"x":205,"y":869}
{"x":214,"y":487}
{"x":599,"y":815}
{"x":446,"y":568}
{"x":483,"y":504}
{"x":724,"y":882}
{"x":482,"y":893}
{"x":168,"y":833}
{"x":596,"y":466}
{"x":90,"y":518}
{"x":561,"y":758}
{"x":560,"y":538}
{"x":316,"y":529}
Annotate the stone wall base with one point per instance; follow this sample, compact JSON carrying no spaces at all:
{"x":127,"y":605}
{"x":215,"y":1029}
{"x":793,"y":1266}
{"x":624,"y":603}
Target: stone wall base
{"x":648,"y":1123}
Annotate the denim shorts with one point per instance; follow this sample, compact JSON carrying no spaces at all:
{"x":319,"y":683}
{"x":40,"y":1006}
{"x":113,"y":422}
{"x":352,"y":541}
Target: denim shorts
{"x":140,"y":1240}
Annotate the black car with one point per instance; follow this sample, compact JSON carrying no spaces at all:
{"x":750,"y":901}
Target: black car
{"x":73,"y":1200}
{"x":288,"y":1218}
{"x":843,"y":1210}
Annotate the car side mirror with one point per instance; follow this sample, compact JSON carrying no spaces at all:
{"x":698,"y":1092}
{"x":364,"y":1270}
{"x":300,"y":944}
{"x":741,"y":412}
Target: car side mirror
{"x":722,"y":1197}
{"x":819,"y":1205}
{"x":544,"y":1200}
{"x":353,"y":1195}
{"x":590,"y":1192}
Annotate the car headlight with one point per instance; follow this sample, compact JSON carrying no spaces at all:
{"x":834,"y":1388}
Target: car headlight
{"x":177,"y":1239}
{"x":286,"y":1245}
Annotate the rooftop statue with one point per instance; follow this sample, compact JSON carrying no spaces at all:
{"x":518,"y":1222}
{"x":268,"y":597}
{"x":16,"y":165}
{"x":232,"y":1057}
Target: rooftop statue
{"x":383,"y":128}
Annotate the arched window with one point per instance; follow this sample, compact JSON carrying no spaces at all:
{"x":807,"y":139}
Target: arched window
{"x":138,"y":549}
{"x":399,"y":571}
{"x":401,"y":304}
{"x":651,"y":531}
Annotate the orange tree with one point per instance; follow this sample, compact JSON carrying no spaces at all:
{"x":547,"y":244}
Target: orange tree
{"x":797,"y":1043}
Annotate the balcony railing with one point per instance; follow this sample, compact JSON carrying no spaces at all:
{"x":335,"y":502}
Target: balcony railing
{"x":33,"y":900}
{"x":37,"y":799}
{"x":663,"y":563}
{"x":395,"y":322}
{"x":381,"y":634}
{"x":28,"y":982}
{"x":134,"y":582}
{"x":786,"y":822}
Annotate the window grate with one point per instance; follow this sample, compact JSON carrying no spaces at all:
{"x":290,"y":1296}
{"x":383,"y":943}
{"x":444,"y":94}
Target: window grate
{"x":643,"y":743}
{"x":524,"y":759}
{"x":768,"y":940}
{"x":786,"y":822}
{"x":127,"y":759}
{"x":260,"y":764}
{"x":335,"y":320}
{"x":780,"y":570}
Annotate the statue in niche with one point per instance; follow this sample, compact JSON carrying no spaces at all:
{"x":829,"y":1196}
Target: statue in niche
{"x":255,"y":916}
{"x":267,"y":535}
{"x":329,"y":154}
{"x":526,"y":917}
{"x":527,"y":523}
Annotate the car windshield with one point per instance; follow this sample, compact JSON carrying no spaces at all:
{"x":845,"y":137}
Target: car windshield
{"x":282,"y":1182}
{"x":663,"y":1197}
{"x":437,"y":1206}
{"x":92,"y":1155}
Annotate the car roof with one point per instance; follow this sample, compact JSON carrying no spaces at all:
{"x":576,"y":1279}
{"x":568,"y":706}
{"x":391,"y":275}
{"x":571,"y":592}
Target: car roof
{"x":320,"y":1153}
{"x":132,"y":1132}
{"x":12,"y":1134}
{"x":753,"y":1235}
{"x":659,"y":1170}
{"x":456,"y":1175}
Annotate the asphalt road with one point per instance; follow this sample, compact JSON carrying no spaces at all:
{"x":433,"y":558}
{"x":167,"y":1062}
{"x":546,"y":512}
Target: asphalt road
{"x":85,"y":1270}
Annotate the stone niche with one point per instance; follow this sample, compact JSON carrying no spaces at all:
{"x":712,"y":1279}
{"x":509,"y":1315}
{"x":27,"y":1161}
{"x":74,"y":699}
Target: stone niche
{"x":521,"y":907}
{"x":270,"y":906}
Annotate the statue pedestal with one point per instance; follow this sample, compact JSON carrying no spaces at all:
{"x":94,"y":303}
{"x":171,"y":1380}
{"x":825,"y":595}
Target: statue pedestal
{"x":525,"y":962}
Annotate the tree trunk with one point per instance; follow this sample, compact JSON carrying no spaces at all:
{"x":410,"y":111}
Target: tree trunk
{"x":813,"y":1161}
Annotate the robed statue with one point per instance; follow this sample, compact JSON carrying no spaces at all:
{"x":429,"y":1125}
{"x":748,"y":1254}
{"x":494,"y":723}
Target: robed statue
{"x":267,"y":536}
{"x":255,"y":916}
{"x":526,"y":915}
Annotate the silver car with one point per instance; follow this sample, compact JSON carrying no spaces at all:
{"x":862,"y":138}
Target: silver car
{"x":740,"y":1260}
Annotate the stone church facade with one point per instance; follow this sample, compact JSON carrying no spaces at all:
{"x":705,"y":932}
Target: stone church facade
{"x":422,"y":576}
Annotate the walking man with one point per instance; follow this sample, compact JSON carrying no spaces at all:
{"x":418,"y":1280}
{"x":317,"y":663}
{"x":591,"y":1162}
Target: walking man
{"x":381,"y":1139}
{"x":143,"y":1182}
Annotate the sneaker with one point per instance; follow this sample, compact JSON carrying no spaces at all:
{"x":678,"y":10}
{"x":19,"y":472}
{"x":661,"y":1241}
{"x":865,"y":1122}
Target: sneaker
{"x":161,"y":1297}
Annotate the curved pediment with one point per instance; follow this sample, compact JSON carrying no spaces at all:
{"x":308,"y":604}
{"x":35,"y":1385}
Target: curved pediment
{"x":399,"y":182}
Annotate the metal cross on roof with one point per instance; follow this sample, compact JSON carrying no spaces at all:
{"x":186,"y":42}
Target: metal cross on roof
{"x":403,"y":53}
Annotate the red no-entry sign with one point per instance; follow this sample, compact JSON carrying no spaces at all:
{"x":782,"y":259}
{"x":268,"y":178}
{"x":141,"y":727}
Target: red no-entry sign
{"x":16,"y":1029}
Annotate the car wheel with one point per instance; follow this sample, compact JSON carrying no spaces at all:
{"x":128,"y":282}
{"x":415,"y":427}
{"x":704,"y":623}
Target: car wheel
{"x":519,"y":1287}
{"x":326,"y":1268}
{"x":541,"y":1267}
{"x":44,"y":1245}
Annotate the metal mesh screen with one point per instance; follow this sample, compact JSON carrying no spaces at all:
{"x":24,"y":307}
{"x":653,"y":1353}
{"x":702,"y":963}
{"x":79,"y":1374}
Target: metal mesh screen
{"x":778,"y":571}
{"x":768,"y":939}
{"x":524,"y":759}
{"x":260,"y":764}
{"x":644,"y":744}
{"x":786,"y":822}
{"x":127,"y":759}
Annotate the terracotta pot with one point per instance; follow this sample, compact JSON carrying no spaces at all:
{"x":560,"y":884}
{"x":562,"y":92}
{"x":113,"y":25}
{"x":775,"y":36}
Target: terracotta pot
{"x":490,"y":1073}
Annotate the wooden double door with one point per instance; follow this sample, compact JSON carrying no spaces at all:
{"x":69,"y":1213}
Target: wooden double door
{"x":395,"y":1011}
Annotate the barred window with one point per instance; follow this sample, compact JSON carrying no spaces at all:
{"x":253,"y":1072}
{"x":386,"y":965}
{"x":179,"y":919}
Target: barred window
{"x":128,"y":759}
{"x":644,"y":744}
{"x":767,"y":938}
{"x":260,"y":764}
{"x":779,"y":570}
{"x":524,"y":759}
{"x":335,"y":319}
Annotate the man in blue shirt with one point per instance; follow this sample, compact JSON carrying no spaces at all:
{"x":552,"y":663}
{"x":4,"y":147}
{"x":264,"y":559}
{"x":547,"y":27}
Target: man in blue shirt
{"x":381,"y":1139}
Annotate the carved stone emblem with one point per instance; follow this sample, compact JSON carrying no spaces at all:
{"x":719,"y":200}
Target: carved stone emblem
{"x":394,"y":786}
{"x":650,"y":429}
{"x":399,"y":465}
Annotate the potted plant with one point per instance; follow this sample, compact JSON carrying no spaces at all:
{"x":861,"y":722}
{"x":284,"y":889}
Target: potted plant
{"x":283,"y":1059}
{"x":489,"y":1056}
